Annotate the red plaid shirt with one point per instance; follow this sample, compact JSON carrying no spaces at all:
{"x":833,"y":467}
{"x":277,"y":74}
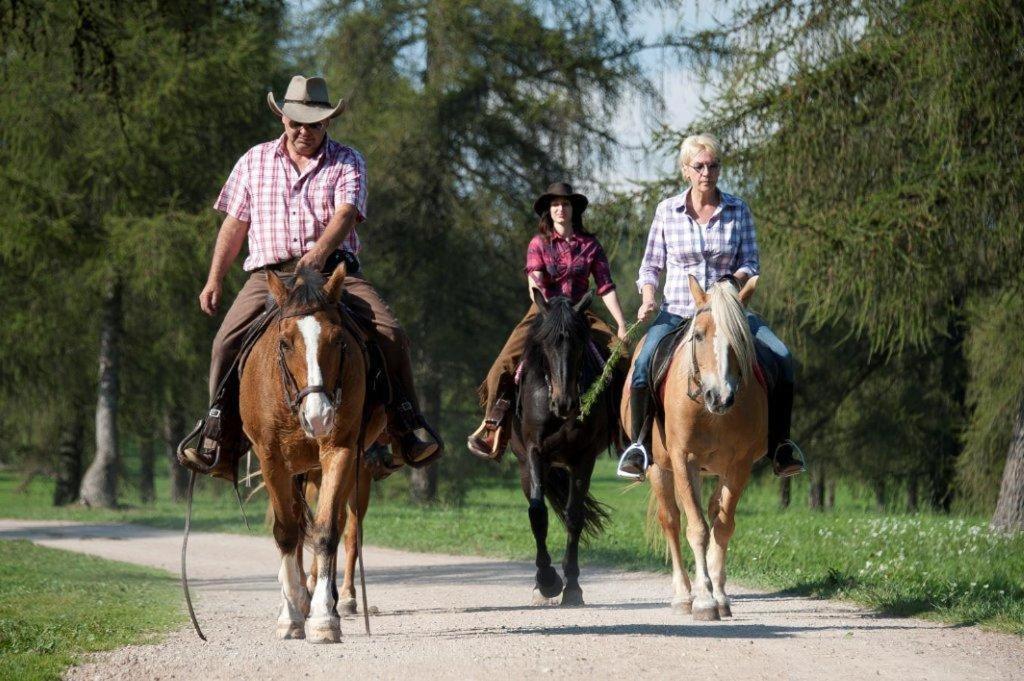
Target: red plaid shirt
{"x":563,"y":267}
{"x":288,"y":210}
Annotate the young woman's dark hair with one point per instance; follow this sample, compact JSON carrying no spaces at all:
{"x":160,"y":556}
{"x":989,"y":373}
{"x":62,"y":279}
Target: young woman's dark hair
{"x":546,"y":226}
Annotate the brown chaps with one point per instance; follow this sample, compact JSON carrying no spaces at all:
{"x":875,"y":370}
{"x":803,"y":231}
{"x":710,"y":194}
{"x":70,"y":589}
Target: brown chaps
{"x":501,"y":377}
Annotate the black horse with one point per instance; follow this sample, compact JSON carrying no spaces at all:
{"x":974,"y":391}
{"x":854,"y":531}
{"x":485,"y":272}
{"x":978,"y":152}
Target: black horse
{"x":556,"y":451}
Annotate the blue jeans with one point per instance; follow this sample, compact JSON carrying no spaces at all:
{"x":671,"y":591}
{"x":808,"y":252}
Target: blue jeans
{"x":772,"y":353}
{"x":662,"y":325}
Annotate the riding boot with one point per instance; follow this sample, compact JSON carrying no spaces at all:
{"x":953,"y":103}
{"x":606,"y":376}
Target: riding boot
{"x":414,"y":439}
{"x":635,"y":460}
{"x":490,"y":440}
{"x":219,"y":447}
{"x":787,"y":459}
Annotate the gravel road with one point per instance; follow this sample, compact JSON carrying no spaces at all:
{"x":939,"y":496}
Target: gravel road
{"x":461,"y":617}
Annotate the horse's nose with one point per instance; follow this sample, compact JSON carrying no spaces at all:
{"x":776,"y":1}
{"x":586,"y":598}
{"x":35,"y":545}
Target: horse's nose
{"x":561,"y":406}
{"x":727,"y":402}
{"x":710,"y":397}
{"x":317,"y":416}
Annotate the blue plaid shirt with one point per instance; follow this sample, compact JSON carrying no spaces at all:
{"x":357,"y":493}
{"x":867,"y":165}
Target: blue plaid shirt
{"x":726,"y":245}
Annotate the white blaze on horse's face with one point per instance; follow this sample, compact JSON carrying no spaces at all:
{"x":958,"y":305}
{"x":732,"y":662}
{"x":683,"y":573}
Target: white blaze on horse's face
{"x":726,"y":378}
{"x":317,"y":412}
{"x":718,"y":377}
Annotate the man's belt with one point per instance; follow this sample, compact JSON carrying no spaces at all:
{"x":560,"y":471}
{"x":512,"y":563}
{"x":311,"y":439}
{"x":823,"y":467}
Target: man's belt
{"x":333,"y":260}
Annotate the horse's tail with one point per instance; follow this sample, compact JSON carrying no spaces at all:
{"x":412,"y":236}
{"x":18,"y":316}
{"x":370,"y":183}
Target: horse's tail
{"x":556,"y":489}
{"x":652,"y":527}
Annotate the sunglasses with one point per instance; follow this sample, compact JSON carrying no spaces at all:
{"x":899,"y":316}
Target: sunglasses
{"x":315,"y":127}
{"x":710,"y":167}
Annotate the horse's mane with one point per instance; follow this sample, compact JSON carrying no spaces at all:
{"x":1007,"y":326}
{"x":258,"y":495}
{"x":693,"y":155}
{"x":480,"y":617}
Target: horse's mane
{"x":731,"y":320}
{"x":307,"y":291}
{"x":560,"y":319}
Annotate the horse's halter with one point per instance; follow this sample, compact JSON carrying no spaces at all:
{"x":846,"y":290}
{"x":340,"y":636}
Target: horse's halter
{"x":694,"y":377}
{"x":293,"y":396}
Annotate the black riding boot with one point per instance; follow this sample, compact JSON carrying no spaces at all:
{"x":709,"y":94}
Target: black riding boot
{"x":637,"y":457}
{"x":787,"y":459}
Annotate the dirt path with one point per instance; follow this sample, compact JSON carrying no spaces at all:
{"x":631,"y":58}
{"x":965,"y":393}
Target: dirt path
{"x":462,"y":617}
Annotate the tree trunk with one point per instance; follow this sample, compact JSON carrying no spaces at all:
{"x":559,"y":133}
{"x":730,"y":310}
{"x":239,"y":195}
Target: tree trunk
{"x":1009,"y":515}
{"x":99,"y":487}
{"x":912,"y":498}
{"x":879,"y":488}
{"x":830,"y":494}
{"x":173,"y":432}
{"x":147,"y":453}
{"x":816,"y":497}
{"x":423,"y":481}
{"x":69,"y":457}
{"x":785,"y":490}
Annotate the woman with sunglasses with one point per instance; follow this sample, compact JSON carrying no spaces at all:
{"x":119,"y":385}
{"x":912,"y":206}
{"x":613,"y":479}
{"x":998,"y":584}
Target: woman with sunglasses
{"x":709,"y":234}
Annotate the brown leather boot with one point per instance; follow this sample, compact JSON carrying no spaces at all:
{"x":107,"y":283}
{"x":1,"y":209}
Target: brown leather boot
{"x":490,"y":440}
{"x":412,"y":437}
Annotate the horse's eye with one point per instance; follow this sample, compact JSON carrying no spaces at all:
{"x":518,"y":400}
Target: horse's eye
{"x":699,"y":336}
{"x":285,"y":345}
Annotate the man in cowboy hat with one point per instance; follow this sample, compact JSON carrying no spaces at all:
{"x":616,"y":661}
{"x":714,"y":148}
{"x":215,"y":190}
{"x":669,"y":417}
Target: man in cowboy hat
{"x":298,"y":199}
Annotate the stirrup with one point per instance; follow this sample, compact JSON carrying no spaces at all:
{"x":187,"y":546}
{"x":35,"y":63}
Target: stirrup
{"x":629,"y":475}
{"x":798,"y":454}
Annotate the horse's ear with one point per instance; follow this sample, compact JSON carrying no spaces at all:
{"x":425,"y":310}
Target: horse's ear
{"x":747,"y":292}
{"x":699,"y":297}
{"x":333,"y":286}
{"x":277,"y":288}
{"x":585,"y":302}
{"x":541,"y":302}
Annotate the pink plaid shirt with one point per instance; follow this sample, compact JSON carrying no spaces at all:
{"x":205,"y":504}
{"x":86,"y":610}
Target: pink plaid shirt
{"x":563,"y":267}
{"x":288,"y":210}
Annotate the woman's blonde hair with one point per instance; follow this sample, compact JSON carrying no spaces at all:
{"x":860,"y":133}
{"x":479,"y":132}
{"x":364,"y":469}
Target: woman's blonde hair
{"x":694,"y":144}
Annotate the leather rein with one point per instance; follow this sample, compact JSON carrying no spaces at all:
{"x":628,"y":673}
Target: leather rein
{"x":693,"y":379}
{"x":293,"y":395}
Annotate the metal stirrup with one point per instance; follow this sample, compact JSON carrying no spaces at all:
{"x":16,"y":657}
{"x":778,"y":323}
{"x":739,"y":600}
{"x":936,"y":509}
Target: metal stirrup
{"x":622,"y":459}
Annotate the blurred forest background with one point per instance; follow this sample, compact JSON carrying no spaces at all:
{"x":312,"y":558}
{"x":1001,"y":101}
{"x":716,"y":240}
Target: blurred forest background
{"x":878,"y":142}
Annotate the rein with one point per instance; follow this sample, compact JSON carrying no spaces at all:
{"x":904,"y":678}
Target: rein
{"x":693,"y":378}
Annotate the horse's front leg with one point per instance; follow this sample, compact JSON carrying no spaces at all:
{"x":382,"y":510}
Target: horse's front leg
{"x":548,"y":584}
{"x":324,"y":625}
{"x":722,"y":513}
{"x":687,"y":483}
{"x":288,"y":534}
{"x":668,"y":517}
{"x":579,"y":486}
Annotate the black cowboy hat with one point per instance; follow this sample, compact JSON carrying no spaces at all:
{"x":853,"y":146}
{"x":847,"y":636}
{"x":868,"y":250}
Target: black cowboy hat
{"x":560,"y":190}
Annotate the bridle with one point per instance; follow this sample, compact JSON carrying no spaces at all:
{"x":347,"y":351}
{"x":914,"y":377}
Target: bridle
{"x":693,"y":378}
{"x":293,"y":395}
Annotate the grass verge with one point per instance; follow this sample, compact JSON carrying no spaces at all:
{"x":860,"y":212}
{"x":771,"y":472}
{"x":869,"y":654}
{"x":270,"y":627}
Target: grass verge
{"x":56,"y":605}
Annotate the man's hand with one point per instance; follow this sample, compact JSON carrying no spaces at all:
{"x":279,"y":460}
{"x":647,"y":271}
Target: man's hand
{"x":209,"y":298}
{"x":314,"y":259}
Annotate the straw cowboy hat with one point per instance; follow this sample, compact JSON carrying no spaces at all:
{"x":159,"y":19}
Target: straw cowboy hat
{"x":306,"y":101}
{"x":564,"y":191}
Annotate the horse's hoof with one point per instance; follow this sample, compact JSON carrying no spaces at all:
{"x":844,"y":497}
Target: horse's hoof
{"x":572,"y":598}
{"x":541,"y":599}
{"x":287,"y":630}
{"x":348,"y":607}
{"x":323,"y":630}
{"x":724,"y":610}
{"x":551,"y":588}
{"x":682,"y":607}
{"x":706,"y":614}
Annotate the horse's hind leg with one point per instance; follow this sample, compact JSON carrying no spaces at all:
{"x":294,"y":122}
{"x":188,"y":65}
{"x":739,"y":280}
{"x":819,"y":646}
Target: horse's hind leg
{"x":349,"y":520}
{"x":687,"y":484}
{"x":288,"y":533}
{"x":548,"y":584}
{"x":324,"y":625}
{"x":722,"y":513}
{"x":668,"y":518}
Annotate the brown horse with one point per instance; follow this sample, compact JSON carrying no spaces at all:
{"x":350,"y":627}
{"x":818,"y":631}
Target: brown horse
{"x":715,"y":423}
{"x":303,"y":391}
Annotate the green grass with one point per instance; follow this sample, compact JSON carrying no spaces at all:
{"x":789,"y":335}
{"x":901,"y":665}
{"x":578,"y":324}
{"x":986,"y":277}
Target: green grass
{"x":56,"y":605}
{"x":948,"y":567}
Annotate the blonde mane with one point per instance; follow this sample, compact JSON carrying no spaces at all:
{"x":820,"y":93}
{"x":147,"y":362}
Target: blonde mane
{"x":731,"y":321}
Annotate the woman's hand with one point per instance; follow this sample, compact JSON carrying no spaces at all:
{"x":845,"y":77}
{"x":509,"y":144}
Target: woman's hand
{"x":621,"y":333}
{"x":647,"y":308}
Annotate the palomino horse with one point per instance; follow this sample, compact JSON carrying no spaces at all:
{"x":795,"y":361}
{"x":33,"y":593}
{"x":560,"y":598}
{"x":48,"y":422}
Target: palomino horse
{"x":556,"y":452}
{"x":715,"y":423}
{"x":303,"y":390}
